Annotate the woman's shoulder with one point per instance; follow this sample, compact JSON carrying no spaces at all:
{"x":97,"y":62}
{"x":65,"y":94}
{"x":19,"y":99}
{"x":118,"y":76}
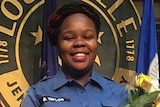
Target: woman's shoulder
{"x":107,"y":83}
{"x":113,"y":86}
{"x":43,"y":84}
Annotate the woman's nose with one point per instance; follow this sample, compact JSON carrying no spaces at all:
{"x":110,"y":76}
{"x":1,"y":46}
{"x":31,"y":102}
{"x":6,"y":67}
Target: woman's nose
{"x":79,"y":42}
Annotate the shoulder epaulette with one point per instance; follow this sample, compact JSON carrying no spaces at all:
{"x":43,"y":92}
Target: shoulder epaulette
{"x":45,"y":78}
{"x":108,"y":78}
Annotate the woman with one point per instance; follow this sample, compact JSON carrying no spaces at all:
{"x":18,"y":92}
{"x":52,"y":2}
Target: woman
{"x":73,"y":29}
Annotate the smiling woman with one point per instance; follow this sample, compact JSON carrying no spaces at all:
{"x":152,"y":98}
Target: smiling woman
{"x":73,"y":29}
{"x":77,"y":45}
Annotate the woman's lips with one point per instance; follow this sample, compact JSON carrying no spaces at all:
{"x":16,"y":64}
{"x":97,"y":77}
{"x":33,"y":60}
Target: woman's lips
{"x":79,"y":57}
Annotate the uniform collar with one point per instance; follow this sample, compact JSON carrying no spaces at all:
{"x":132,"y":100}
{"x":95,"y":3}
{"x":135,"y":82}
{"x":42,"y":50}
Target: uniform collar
{"x":97,"y":79}
{"x":60,"y":80}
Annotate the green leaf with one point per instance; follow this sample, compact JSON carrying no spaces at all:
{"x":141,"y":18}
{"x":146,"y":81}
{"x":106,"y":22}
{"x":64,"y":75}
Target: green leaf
{"x":144,"y":100}
{"x":138,"y":91}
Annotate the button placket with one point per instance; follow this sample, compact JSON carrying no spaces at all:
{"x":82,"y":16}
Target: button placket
{"x":83,"y":97}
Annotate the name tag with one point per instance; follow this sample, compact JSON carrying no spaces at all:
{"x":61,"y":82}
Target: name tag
{"x":53,"y":99}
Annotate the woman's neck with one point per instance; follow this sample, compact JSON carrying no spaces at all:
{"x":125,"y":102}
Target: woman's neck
{"x":81,"y":80}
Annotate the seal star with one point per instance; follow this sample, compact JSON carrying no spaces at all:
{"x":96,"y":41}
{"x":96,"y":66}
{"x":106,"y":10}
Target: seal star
{"x":99,"y":40}
{"x":38,"y":35}
{"x":99,"y":37}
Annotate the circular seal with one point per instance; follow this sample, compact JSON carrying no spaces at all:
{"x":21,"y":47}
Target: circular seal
{"x":21,"y":34}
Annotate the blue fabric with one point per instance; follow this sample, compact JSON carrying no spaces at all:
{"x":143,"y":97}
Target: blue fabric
{"x":49,"y":53}
{"x":148,"y":38}
{"x":57,"y":91}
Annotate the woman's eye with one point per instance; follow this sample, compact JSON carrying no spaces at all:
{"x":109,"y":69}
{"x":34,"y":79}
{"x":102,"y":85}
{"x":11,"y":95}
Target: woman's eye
{"x":68,"y":38}
{"x":87,"y":37}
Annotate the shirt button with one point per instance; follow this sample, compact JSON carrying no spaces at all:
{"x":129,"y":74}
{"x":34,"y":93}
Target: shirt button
{"x":81,"y":92}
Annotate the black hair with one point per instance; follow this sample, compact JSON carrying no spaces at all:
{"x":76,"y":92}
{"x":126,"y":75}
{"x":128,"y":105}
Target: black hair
{"x":57,"y":18}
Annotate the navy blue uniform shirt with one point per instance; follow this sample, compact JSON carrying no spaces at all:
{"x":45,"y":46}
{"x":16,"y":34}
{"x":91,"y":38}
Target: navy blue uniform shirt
{"x":57,"y":91}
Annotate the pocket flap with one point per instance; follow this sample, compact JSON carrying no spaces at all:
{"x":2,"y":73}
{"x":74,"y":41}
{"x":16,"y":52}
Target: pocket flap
{"x":110,"y":103}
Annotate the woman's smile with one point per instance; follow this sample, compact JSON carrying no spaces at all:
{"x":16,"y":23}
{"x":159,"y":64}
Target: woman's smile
{"x":79,"y":57}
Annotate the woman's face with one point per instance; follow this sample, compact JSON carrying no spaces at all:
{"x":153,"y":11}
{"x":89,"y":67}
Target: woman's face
{"x":77,"y":43}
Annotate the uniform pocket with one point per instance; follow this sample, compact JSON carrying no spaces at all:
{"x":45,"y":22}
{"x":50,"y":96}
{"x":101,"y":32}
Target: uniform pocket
{"x":109,"y":103}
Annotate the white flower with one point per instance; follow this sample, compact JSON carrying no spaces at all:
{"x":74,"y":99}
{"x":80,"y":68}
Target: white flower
{"x":155,"y":86}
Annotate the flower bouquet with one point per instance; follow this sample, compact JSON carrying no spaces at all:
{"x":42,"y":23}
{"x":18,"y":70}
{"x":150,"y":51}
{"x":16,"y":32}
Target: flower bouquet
{"x":144,"y":93}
